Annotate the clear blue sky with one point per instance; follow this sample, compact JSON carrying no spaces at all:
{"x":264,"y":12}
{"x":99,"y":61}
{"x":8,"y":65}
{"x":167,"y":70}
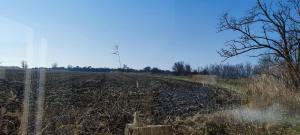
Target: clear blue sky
{"x":84,"y":32}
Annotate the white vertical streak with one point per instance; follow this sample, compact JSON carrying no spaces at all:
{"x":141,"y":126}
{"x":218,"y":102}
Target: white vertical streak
{"x":27,"y":83}
{"x":41,"y":88}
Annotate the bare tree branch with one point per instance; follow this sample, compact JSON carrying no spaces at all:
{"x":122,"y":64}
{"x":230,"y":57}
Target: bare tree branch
{"x":279,"y":35}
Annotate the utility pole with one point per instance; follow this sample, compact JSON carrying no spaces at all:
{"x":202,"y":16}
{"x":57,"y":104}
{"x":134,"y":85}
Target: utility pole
{"x":116,"y":52}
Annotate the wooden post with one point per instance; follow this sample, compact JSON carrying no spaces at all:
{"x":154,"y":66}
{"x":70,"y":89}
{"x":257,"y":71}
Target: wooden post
{"x":137,"y":128}
{"x":148,"y":130}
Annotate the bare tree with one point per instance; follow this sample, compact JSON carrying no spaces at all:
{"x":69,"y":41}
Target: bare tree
{"x":24,"y":64}
{"x":147,"y":69}
{"x":179,"y":68}
{"x":188,"y":69}
{"x":271,"y":28}
{"x":117,"y":52}
{"x":54,"y":65}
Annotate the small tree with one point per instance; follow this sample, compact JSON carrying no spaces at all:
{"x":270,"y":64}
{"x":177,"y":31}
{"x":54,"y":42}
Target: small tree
{"x":204,"y":72}
{"x":24,"y":64}
{"x":117,"y":52}
{"x":54,"y":65}
{"x":179,"y":68}
{"x":187,"y":69}
{"x":264,"y":65}
{"x":69,"y":67}
{"x":147,"y":69}
{"x":156,"y":70}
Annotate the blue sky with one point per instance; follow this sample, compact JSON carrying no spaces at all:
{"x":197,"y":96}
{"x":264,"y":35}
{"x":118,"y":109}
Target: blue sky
{"x":84,"y":32}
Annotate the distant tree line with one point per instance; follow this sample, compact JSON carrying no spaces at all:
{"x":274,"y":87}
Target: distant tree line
{"x":180,"y":68}
{"x":85,"y":69}
{"x":226,"y":71}
{"x":148,"y":69}
{"x":155,"y":70}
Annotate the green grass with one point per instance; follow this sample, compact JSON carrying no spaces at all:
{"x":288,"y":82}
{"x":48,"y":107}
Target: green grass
{"x":297,"y":128}
{"x":182,"y":78}
{"x":236,"y":85}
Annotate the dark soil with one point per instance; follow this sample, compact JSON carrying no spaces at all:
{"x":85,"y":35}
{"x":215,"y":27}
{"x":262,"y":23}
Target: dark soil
{"x":102,"y":103}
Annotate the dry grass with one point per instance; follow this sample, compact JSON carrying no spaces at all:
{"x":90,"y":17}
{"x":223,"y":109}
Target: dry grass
{"x":205,"y":79}
{"x":265,"y":90}
{"x":260,"y":92}
{"x":222,"y":123}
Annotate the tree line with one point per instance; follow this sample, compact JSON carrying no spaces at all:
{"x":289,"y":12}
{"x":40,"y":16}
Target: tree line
{"x":180,"y":68}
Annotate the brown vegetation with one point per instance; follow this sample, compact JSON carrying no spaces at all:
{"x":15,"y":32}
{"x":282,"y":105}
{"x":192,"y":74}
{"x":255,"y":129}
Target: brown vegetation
{"x":103,"y":103}
{"x":261,"y":92}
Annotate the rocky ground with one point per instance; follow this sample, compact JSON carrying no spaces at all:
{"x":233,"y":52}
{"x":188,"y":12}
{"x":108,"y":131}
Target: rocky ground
{"x":102,"y":103}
